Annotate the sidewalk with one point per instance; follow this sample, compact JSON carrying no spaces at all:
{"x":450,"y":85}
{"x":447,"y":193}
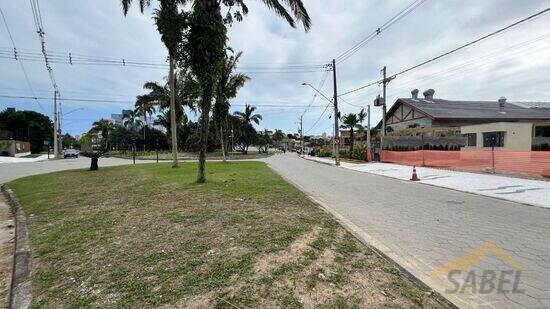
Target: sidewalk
{"x":525,"y":191}
{"x":22,"y":160}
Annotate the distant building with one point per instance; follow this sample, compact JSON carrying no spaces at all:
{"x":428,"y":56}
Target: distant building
{"x":119,"y":118}
{"x":12,"y":148}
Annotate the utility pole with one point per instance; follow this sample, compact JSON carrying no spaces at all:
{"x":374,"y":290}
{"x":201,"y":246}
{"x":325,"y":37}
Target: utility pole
{"x":336,"y":115}
{"x":56,"y":154}
{"x":368,"y":130}
{"x":302,"y":134}
{"x":385,"y":81}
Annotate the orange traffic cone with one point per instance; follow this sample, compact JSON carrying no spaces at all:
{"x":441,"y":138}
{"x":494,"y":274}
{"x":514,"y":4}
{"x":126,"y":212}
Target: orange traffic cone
{"x":414,"y":176}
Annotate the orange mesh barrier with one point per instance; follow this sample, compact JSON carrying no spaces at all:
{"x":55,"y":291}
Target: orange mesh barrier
{"x":504,"y":161}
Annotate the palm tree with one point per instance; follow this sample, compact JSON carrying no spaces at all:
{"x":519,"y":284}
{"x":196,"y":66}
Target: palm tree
{"x":248,"y":116}
{"x":351,"y":122}
{"x":104,"y":127}
{"x":228,"y":85}
{"x":131,"y":120}
{"x":206,"y":42}
{"x":170,"y":24}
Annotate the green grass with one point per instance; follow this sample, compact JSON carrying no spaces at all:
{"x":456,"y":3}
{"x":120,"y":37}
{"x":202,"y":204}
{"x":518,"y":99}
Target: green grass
{"x":167,"y":155}
{"x":148,"y":235}
{"x":34,"y":155}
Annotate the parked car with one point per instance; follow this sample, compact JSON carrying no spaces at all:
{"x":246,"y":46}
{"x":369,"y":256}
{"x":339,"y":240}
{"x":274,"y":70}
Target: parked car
{"x":70,"y":153}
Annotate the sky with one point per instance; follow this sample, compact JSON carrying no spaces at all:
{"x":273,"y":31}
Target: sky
{"x":514,"y":64}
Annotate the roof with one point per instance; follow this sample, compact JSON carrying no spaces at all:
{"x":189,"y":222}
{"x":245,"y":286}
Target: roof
{"x":477,"y":110}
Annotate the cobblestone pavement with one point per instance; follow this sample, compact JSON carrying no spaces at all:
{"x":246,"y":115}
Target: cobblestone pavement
{"x":423,"y":228}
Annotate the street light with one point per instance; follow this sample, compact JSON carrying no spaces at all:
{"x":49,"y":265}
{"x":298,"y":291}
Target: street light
{"x":335,"y":140}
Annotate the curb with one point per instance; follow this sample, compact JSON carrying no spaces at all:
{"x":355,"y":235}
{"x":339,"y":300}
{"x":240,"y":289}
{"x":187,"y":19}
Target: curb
{"x":356,"y":232}
{"x":20,"y":294}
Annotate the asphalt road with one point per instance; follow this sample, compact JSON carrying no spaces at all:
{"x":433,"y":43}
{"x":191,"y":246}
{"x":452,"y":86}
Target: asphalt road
{"x":11,"y":171}
{"x":423,"y":228}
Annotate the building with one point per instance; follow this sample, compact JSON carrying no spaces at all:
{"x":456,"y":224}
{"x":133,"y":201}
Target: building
{"x":12,"y":148}
{"x":509,"y":125}
{"x":119,"y":118}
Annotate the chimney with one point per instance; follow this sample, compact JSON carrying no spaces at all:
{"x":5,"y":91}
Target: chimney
{"x":414,"y":93}
{"x":501,"y":103}
{"x":429,"y":94}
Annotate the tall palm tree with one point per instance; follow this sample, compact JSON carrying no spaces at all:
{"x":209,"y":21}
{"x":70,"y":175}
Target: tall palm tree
{"x":206,"y":42}
{"x":131,"y":120}
{"x":351,"y":122}
{"x":228,"y":85}
{"x":104,"y":127}
{"x":170,"y":24}
{"x":248,"y":116}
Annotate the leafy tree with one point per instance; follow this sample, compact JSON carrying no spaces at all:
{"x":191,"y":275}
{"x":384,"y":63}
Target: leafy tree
{"x":104,"y":127}
{"x":278,"y":137}
{"x":171,"y":25}
{"x":29,"y":126}
{"x":131,"y":121}
{"x":248,"y":116}
{"x":206,"y":42}
{"x":263,"y":141}
{"x":67,"y":141}
{"x":351,"y":122}
{"x":228,"y":85}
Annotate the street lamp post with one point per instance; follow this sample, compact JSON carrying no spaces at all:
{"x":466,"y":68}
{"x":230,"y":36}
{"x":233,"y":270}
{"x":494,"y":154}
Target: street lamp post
{"x":335,"y":138}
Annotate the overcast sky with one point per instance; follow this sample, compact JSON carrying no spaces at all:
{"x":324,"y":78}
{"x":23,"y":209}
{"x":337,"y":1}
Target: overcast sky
{"x":515,"y":64}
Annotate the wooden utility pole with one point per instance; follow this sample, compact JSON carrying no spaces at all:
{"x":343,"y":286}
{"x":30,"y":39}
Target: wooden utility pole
{"x":385,"y":81}
{"x":368,"y":129}
{"x":336,"y":116}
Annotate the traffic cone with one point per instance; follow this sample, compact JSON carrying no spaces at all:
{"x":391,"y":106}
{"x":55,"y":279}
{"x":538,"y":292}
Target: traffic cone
{"x":414,"y":176}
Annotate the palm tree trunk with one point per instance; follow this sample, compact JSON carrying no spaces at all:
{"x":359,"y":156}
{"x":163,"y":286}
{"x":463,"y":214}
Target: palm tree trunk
{"x":205,"y":119}
{"x":222,"y":143}
{"x":173,"y":125}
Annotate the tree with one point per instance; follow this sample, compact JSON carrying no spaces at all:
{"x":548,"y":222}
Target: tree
{"x":248,"y":115}
{"x":171,"y":25}
{"x":104,"y":127}
{"x":278,"y":137}
{"x":206,"y":42}
{"x":228,"y":85}
{"x":67,"y":141}
{"x":264,"y":141}
{"x":351,"y":122}
{"x":29,"y":126}
{"x":131,"y":121}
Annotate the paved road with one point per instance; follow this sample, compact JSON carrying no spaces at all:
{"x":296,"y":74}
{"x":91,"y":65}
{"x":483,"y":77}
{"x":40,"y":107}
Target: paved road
{"x":11,"y":171}
{"x":424,"y":227}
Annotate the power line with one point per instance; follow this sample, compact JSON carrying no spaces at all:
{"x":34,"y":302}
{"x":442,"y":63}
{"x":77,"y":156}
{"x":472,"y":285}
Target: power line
{"x":20,"y":62}
{"x":132,"y":102}
{"x":454,"y":50}
{"x":406,"y":11}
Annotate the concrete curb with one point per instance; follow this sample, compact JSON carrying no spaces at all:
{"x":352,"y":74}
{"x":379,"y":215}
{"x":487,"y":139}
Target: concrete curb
{"x":361,"y":236}
{"x":20,"y":294}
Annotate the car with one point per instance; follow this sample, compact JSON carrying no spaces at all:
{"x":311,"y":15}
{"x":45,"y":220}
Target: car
{"x":70,"y":153}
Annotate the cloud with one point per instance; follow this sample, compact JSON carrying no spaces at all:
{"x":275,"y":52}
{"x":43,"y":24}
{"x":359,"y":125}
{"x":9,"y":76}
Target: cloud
{"x":513,"y":64}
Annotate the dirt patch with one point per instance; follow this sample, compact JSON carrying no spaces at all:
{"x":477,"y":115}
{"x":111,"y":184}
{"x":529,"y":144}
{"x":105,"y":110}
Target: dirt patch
{"x":7,"y":245}
{"x":269,"y":262}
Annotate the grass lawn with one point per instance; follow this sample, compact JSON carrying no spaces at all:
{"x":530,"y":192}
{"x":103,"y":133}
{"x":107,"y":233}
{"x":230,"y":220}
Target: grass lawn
{"x":34,"y":155}
{"x":166,"y":155}
{"x":148,"y":236}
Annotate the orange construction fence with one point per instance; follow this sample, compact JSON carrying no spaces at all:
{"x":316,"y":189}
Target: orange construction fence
{"x":503,"y":161}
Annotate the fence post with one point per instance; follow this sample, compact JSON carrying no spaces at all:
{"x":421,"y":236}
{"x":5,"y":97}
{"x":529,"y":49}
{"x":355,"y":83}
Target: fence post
{"x":423,"y":158}
{"x":493,"y":157}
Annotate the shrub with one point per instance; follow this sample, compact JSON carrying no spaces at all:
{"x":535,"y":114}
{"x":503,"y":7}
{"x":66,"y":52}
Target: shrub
{"x":359,"y":152}
{"x":325,"y":154}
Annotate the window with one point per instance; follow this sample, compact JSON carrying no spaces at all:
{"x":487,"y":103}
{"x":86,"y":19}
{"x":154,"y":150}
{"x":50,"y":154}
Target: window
{"x":471,"y":139}
{"x":495,"y":139}
{"x":542,"y":131}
